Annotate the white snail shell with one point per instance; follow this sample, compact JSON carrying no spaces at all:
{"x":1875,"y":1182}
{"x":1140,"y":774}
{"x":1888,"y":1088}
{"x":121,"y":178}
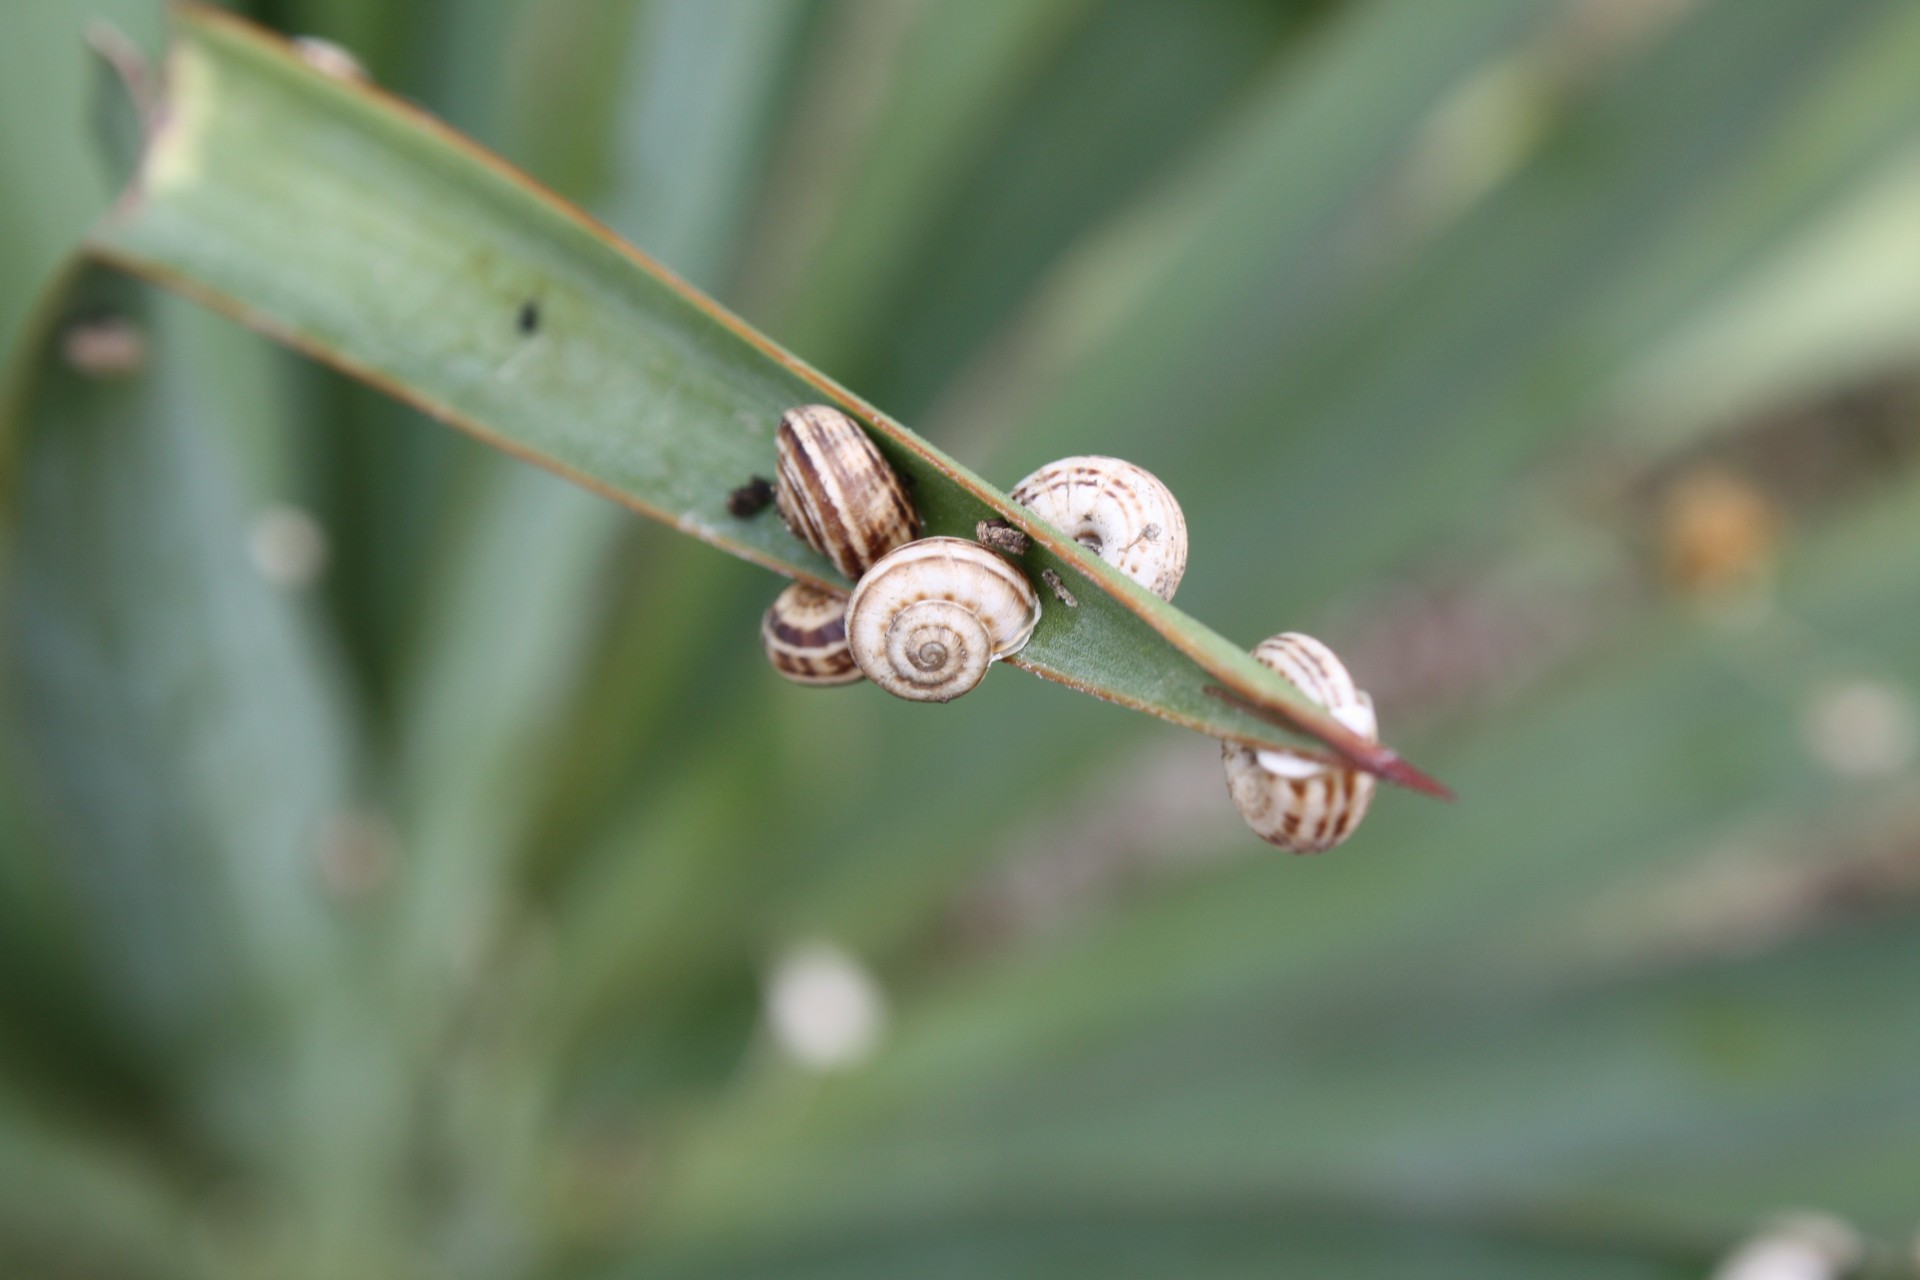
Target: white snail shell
{"x":1295,"y":801}
{"x":1120,"y":512}
{"x":836,"y":492}
{"x":928,"y":619}
{"x":804,"y":632}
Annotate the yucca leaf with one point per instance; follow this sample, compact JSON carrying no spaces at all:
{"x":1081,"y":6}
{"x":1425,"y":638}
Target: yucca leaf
{"x":362,"y":233}
{"x":1509,"y":1027}
{"x":1210,"y":1239}
{"x":196,"y":749}
{"x":1839,"y":98}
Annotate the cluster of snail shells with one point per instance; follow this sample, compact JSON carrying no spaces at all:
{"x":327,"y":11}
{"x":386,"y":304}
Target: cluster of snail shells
{"x":1299,"y":802}
{"x":929,"y":616}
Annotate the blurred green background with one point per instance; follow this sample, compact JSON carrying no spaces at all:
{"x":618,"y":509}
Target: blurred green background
{"x":409,"y":866}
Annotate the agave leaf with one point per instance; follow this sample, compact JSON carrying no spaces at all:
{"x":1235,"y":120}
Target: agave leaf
{"x":1491,"y":985}
{"x":72,"y":1204}
{"x":515,"y":604}
{"x":1366,"y":390}
{"x":921,"y":88}
{"x":1129,"y":1239}
{"x":196,"y":750}
{"x":492,"y":306}
{"x":45,"y":159}
{"x":1460,"y":317}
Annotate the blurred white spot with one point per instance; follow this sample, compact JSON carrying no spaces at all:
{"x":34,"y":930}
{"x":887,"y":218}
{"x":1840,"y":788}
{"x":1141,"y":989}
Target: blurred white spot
{"x":825,"y":1011}
{"x":1359,"y":717}
{"x":1806,"y":1246}
{"x":356,"y":853}
{"x":105,"y":347}
{"x":1861,"y":729}
{"x":328,"y":57}
{"x":287,"y":546}
{"x":1286,"y":764}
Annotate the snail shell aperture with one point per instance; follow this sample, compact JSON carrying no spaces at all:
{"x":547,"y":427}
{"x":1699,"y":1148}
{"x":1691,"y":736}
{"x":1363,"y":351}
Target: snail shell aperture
{"x":929,"y":618}
{"x":804,"y":632}
{"x":837,"y":493}
{"x":1120,"y":512}
{"x":1291,"y":800}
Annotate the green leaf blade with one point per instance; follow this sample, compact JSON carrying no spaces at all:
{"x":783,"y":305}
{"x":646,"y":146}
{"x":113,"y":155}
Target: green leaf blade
{"x":376,"y":240}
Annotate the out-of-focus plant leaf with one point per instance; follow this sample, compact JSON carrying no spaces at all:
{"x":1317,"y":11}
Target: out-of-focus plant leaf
{"x":197,"y":753}
{"x":511,"y":617}
{"x":1342,"y":105}
{"x":1311,"y":298}
{"x":1214,"y":1240}
{"x":514,"y":307}
{"x":1275,"y":1016}
{"x":54,"y":180}
{"x":70,"y":1205}
{"x":1123,"y":99}
{"x":1373,"y":395}
{"x":904,"y":95}
{"x":1837,"y":308}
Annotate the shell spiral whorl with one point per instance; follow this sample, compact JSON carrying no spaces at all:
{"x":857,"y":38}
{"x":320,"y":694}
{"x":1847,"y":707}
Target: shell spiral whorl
{"x":929,"y":618}
{"x":804,"y":632}
{"x":835,"y":491}
{"x":1120,"y":512}
{"x":1295,"y":801}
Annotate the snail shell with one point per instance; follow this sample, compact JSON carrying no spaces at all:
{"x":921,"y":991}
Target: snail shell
{"x":836,"y":492}
{"x":1120,"y":512}
{"x":928,"y":619}
{"x":1291,"y":800}
{"x":804,"y":632}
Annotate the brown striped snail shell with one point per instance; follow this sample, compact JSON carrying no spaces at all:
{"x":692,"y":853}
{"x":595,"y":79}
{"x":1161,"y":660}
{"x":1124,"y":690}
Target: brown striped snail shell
{"x":928,"y":619}
{"x":1294,"y":801}
{"x":1120,"y":512}
{"x":837,"y":493}
{"x":804,"y":632}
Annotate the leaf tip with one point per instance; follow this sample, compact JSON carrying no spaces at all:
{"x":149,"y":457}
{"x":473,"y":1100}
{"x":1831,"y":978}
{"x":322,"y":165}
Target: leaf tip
{"x":1396,"y":770}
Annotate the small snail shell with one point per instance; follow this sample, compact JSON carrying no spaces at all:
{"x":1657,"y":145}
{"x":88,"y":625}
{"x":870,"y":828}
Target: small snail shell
{"x":804,"y":632}
{"x":1120,"y":512}
{"x":1294,"y":801}
{"x":928,"y":619}
{"x":837,"y":493}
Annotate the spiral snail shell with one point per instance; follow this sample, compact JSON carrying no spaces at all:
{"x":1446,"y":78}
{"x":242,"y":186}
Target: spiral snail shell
{"x":1294,"y":801}
{"x":929,"y":618}
{"x":1120,"y":512}
{"x":836,"y":492}
{"x":804,"y":632}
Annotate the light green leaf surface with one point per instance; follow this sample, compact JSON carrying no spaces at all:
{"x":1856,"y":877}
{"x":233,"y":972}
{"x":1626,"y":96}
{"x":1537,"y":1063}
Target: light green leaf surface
{"x":1442,"y":299}
{"x":198,"y":754}
{"x":260,"y":152}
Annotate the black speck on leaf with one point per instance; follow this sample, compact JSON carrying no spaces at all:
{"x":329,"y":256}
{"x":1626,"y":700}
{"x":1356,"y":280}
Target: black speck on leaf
{"x":750,"y":498}
{"x":529,"y":318}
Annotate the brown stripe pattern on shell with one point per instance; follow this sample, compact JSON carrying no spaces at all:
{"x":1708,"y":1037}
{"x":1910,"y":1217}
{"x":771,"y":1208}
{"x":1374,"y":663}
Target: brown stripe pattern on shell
{"x":929,"y":619}
{"x":1120,"y":512}
{"x":1311,"y":667}
{"x":835,"y":491}
{"x":804,"y":633}
{"x":1307,"y":806}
